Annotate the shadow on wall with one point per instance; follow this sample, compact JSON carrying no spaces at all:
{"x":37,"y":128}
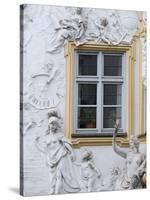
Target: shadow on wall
{"x":14,"y":190}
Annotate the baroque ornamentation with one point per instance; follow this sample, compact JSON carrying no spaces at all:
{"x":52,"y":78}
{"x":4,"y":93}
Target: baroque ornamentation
{"x":135,"y":165}
{"x":142,"y":33}
{"x":90,"y":174}
{"x":31,"y":119}
{"x":60,"y":157}
{"x":44,"y":91}
{"x":110,"y":30}
{"x":110,"y":33}
{"x":69,"y":29}
{"x":115,"y":175}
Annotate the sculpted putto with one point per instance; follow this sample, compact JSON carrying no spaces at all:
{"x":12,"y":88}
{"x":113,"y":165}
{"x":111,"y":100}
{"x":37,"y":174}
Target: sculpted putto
{"x":90,"y":174}
{"x":60,"y":156}
{"x":135,"y":164}
{"x":108,"y":31}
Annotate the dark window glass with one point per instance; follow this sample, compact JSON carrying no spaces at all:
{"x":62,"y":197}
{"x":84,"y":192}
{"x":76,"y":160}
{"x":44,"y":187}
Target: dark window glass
{"x":88,"y":65}
{"x":112,"y":94}
{"x":87,"y":94}
{"x":112,"y":65}
{"x":110,"y":115}
{"x":86,"y":117}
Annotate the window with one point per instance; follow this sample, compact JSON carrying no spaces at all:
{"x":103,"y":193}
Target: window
{"x":98,"y":92}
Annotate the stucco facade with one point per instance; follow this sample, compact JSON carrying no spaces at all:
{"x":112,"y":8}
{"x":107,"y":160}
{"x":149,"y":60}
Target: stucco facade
{"x":45,"y":33}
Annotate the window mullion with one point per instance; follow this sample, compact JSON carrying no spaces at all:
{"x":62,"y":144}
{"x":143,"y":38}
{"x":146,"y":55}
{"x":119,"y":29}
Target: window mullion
{"x":99,"y":92}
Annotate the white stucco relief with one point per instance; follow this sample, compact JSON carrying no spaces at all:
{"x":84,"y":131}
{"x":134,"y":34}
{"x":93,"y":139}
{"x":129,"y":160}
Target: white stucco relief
{"x":44,"y":89}
{"x":59,"y":157}
{"x":131,"y":177}
{"x":71,"y":28}
{"x":89,"y":179}
{"x":112,"y":29}
{"x":143,"y":37}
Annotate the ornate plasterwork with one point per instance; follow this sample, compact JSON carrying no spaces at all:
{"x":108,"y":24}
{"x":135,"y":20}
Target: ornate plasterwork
{"x":45,"y":87}
{"x":72,"y":28}
{"x":59,"y":157}
{"x":108,"y":29}
{"x":144,"y":60}
{"x":62,"y":162}
{"x":142,"y":34}
{"x":114,"y":176}
{"x":90,"y":175}
{"x":31,"y":119}
{"x":135,"y":166}
{"x":75,"y":24}
{"x":63,"y":165}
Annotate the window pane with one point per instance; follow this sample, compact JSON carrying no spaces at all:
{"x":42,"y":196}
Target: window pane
{"x":86,"y":117}
{"x":88,"y":65}
{"x":112,"y":94}
{"x":112,"y":65}
{"x":87,"y":94}
{"x":110,"y":115}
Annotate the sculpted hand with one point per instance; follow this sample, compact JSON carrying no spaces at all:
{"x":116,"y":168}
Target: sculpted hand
{"x":116,"y":127}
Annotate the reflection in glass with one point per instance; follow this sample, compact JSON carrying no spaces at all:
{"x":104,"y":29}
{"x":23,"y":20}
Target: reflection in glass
{"x":110,"y":115}
{"x":87,"y":117}
{"x":112,"y":94}
{"x":87,"y":94}
{"x":88,"y":65}
{"x":112,"y":65}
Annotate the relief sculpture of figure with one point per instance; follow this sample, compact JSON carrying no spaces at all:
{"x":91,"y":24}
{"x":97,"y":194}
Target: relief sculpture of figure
{"x":90,"y":174}
{"x":108,"y":32}
{"x":60,"y":157}
{"x":135,"y":164}
{"x":63,"y":32}
{"x":102,"y":25}
{"x":72,"y":28}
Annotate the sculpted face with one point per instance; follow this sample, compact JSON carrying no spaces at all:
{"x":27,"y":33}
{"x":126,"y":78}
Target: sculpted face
{"x":53,"y":124}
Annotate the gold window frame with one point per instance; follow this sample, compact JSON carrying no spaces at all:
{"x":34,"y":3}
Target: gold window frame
{"x":130,"y":51}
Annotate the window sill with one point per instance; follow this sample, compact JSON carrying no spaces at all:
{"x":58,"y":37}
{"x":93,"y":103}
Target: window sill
{"x":101,"y":140}
{"x":99,"y":135}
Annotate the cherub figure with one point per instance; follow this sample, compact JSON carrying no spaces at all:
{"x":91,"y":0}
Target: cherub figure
{"x":90,"y":175}
{"x":102,"y":25}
